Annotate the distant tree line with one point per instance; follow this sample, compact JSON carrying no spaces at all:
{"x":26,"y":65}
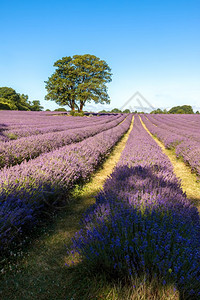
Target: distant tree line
{"x":119,"y":111}
{"x":11,"y":100}
{"x":116,"y":111}
{"x":184,"y":109}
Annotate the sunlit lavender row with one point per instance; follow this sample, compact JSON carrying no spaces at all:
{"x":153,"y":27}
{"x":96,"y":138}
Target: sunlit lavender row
{"x":16,"y":151}
{"x":187,"y":126}
{"x":26,"y":190}
{"x":142,"y":222}
{"x":19,"y":124}
{"x":181,"y":132}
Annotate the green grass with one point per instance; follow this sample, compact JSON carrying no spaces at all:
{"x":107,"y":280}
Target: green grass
{"x":12,"y":136}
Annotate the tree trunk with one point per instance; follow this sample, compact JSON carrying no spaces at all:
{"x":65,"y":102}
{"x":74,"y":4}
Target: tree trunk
{"x":73,"y":105}
{"x":81,"y":106}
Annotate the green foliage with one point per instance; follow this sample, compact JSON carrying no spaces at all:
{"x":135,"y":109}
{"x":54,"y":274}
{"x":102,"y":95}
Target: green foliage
{"x":77,"y":80}
{"x":127,"y":111}
{"x":184,"y":109}
{"x":36,"y":105}
{"x":79,"y":114}
{"x":60,"y":109}
{"x":24,"y":100}
{"x":72,"y":112}
{"x":157,"y":111}
{"x":22,"y":106}
{"x":197,"y":112}
{"x":9,"y":94}
{"x":103,"y":111}
{"x":48,"y":109}
{"x":116,"y":110}
{"x":12,"y":136}
{"x":76,"y":113}
{"x":6,"y":104}
{"x":10,"y":99}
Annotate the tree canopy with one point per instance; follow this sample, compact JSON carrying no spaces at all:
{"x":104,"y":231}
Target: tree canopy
{"x":77,"y":80}
{"x":36,"y":105}
{"x":127,"y":111}
{"x":184,"y":109}
{"x":116,"y":110}
{"x":60,"y":109}
{"x":11,"y":100}
{"x":159,"y":111}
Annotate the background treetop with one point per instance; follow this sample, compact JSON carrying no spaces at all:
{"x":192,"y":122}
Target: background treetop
{"x":11,"y":100}
{"x":184,"y":109}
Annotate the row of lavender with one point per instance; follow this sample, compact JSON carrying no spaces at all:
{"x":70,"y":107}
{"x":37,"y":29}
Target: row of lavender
{"x":142,"y":222}
{"x":26,"y":190}
{"x":19,"y":124}
{"x":14,"y":152}
{"x":187,"y":126}
{"x":179,"y":132}
{"x":27,"y":130}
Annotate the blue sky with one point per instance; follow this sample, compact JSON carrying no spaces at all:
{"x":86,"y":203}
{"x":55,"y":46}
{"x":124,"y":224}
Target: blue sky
{"x":151,"y":46}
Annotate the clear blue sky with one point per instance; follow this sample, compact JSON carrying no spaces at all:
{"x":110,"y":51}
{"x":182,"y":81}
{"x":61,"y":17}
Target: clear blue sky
{"x":151,"y":46}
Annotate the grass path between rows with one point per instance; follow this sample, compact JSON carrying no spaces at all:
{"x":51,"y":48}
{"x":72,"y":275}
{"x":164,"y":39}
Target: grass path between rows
{"x":189,"y":182}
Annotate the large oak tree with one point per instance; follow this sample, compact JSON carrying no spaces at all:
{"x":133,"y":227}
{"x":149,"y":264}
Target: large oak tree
{"x":77,"y":80}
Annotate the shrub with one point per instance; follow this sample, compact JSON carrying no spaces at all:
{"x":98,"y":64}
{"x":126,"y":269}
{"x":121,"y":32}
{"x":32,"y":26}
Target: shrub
{"x":77,"y":114}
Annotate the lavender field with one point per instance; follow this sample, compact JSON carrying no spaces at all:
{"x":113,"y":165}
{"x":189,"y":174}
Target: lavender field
{"x":37,"y":170}
{"x":181,"y":132}
{"x":142,"y":221}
